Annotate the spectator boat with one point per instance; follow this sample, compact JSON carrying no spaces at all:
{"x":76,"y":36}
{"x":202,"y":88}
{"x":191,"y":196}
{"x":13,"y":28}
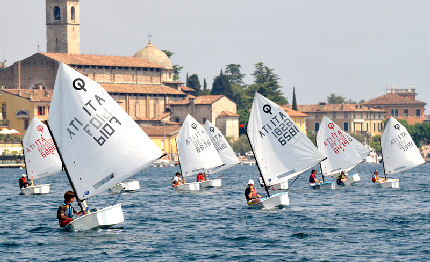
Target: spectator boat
{"x":95,"y":138}
{"x":196,"y":153}
{"x":40,"y":157}
{"x":282,"y":151}
{"x":399,"y":153}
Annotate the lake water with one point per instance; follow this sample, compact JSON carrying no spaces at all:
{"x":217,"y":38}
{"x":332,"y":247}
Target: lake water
{"x":354,"y":223}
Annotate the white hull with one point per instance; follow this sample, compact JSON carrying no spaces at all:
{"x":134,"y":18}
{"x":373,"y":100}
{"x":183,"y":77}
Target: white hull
{"x":276,"y":200}
{"x":390,"y":183}
{"x":326,"y":185}
{"x":280,"y":186}
{"x":104,"y":218}
{"x":127,"y":186}
{"x":36,"y":190}
{"x":211,"y":183}
{"x":352,"y":179}
{"x":195,"y":186}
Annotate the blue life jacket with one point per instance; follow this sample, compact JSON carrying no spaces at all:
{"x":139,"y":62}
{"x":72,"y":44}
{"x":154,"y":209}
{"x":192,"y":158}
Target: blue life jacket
{"x":69,"y":210}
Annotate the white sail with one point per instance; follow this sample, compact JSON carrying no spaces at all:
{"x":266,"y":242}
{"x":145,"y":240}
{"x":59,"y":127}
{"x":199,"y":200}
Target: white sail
{"x":279,"y":146}
{"x":224,"y":149}
{"x":195,"y":148}
{"x":99,"y":142}
{"x":41,"y":157}
{"x":399,"y":151}
{"x":343,"y":151}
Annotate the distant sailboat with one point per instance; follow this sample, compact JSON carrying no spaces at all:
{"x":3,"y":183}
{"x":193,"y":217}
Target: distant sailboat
{"x":399,"y":152}
{"x":98,"y":142}
{"x":196,"y":152}
{"x":282,"y":151}
{"x":343,"y":151}
{"x":40,"y":155}
{"x":225,"y":152}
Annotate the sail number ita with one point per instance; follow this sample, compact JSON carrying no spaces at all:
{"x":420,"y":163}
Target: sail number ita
{"x":100,"y":126}
{"x":280,"y":126}
{"x":402,"y":141}
{"x":44,"y":146}
{"x":338,"y":142}
{"x":199,"y":140}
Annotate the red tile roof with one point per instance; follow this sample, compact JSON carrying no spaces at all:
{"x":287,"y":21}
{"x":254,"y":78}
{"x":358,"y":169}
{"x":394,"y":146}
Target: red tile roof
{"x":335,"y":108}
{"x":101,"y":60}
{"x":34,"y":95}
{"x":160,"y":131}
{"x":227,"y":113}
{"x":200,"y":100}
{"x":187,"y":89}
{"x":141,"y":89}
{"x":393,"y":99}
{"x":292,"y":112}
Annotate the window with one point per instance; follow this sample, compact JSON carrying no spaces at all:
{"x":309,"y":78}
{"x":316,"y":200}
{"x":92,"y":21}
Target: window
{"x":3,"y":111}
{"x":367,"y":126}
{"x":177,"y":119}
{"x":334,"y":115}
{"x":317,"y":126}
{"x":345,"y":115}
{"x":57,"y":15}
{"x":406,"y":113}
{"x":418,"y":112}
{"x":204,"y":120}
{"x":394,"y":112}
{"x":72,"y":13}
{"x":41,"y":110}
{"x":374,"y":126}
{"x":25,"y":124}
{"x":346,"y":126}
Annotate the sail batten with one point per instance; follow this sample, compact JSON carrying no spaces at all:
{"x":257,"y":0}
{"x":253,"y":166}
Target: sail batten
{"x":195,"y":149}
{"x":398,"y":149}
{"x":279,"y":145}
{"x":343,"y":151}
{"x":41,"y":156}
{"x":224,"y":149}
{"x":100,"y":143}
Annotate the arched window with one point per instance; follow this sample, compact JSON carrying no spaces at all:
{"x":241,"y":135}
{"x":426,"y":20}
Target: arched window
{"x":72,"y":13}
{"x":57,"y":15}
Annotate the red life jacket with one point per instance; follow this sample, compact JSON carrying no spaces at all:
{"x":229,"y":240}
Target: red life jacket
{"x":374,"y":178}
{"x":254,"y":193}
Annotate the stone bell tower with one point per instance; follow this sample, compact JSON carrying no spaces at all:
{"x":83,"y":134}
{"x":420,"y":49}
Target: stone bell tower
{"x":63,"y":26}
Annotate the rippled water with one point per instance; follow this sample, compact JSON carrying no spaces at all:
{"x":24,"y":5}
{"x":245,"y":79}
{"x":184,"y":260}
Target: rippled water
{"x":354,"y":223}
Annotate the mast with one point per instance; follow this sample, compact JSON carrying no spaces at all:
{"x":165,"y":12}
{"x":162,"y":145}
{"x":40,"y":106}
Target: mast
{"x":65,"y":169}
{"x":382,"y":155}
{"x":25,"y":163}
{"x":179,"y":161}
{"x":256,"y":162}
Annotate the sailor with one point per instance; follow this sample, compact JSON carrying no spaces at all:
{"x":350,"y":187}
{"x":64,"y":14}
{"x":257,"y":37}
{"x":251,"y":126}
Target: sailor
{"x":375,"y":177}
{"x":340,"y":180}
{"x":23,"y":182}
{"x":251,"y":194}
{"x":200,"y":177}
{"x":176,"y":181}
{"x":312,"y":178}
{"x":65,"y":211}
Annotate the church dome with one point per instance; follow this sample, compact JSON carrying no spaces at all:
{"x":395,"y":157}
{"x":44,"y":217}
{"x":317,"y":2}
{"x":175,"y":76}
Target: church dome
{"x":154,"y":55}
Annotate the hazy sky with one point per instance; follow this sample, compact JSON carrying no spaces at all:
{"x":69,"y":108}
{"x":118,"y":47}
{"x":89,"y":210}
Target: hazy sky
{"x":352,"y":48}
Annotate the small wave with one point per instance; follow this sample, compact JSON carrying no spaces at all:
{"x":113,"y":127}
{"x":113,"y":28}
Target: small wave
{"x":301,"y":235}
{"x":10,"y":244}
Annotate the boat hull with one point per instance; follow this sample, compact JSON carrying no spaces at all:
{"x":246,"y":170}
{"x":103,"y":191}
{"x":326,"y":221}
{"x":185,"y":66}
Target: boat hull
{"x":36,"y":190}
{"x":195,"y":186}
{"x":211,"y":183}
{"x":325,"y":185}
{"x":277,"y":200}
{"x":389,"y":183}
{"x":352,"y":179}
{"x":280,"y":186}
{"x":104,"y":218}
{"x":128,"y":186}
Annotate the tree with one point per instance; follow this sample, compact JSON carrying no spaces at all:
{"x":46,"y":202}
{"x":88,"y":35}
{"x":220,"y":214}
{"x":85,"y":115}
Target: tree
{"x":334,"y":99}
{"x":205,"y":91}
{"x":232,"y":71}
{"x":294,"y":106}
{"x":194,"y":83}
{"x":168,"y":53}
{"x":242,"y":145}
{"x":221,"y":86}
{"x":176,"y":71}
{"x":266,"y":83}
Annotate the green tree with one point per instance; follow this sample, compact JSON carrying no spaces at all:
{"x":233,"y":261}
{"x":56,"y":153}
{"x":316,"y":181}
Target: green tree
{"x":266,"y":82}
{"x":168,"y":53}
{"x":232,"y":71}
{"x":375,"y":143}
{"x":205,"y":91}
{"x":176,"y":68}
{"x":221,"y":86}
{"x":334,"y":99}
{"x":194,"y":83}
{"x":294,"y":105}
{"x":242,"y":145}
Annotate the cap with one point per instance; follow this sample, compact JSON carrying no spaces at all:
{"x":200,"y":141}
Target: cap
{"x":250,"y":182}
{"x":23,"y":175}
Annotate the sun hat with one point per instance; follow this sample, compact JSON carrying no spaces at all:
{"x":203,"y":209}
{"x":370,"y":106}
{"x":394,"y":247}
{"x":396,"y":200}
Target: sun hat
{"x":250,"y":182}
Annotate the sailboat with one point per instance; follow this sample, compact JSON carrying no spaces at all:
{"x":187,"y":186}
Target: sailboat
{"x":40,"y":157}
{"x":343,"y":152}
{"x":225,"y":152}
{"x":399,"y":152}
{"x":196,"y":152}
{"x":282,"y":151}
{"x":98,"y":143}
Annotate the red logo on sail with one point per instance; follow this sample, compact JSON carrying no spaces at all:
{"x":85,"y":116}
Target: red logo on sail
{"x":331,"y":126}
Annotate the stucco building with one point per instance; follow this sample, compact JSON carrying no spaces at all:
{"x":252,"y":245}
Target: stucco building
{"x":400,"y":103}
